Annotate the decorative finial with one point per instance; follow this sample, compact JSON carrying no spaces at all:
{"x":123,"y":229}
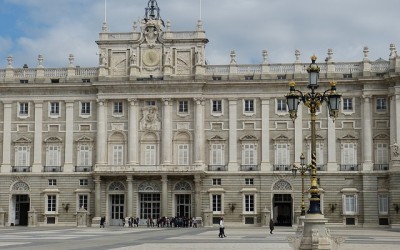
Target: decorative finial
{"x":292,"y":83}
{"x":71,"y":59}
{"x":10,"y":62}
{"x":40,"y":61}
{"x":265,"y":56}
{"x":297,"y":55}
{"x":366,"y":51}
{"x":313,"y":58}
{"x":233,"y":57}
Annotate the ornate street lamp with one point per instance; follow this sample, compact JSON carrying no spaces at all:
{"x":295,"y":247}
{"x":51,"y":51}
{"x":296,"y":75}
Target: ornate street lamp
{"x":303,"y":170}
{"x":313,"y":101}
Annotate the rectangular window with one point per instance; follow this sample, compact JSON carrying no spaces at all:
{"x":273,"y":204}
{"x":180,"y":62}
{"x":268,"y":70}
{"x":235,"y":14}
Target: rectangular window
{"x":281,"y":105}
{"x":248,"y":106}
{"x":83,"y":201}
{"x":383,"y":203}
{"x":183,"y":154}
{"x":84,"y":156}
{"x":53,"y":156}
{"x":22,"y":156}
{"x":83,"y":182}
{"x":217,"y":154}
{"x":249,"y":203}
{"x":118,"y":154}
{"x":54,"y":108}
{"x":349,"y":154}
{"x":249,"y":154}
{"x":249,"y":181}
{"x":85,"y":108}
{"x":381,"y":104}
{"x":382,"y":153}
{"x":52,"y":182}
{"x":183,"y":107}
{"x":216,"y":182}
{"x":281,"y":154}
{"x":118,"y":108}
{"x":217,"y":106}
{"x":216,"y":202}
{"x":150,"y":103}
{"x":23,"y":108}
{"x":350,"y":204}
{"x":347,"y":104}
{"x":150,"y":155}
{"x":51,"y":203}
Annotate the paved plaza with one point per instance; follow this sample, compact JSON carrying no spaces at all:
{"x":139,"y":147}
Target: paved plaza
{"x":118,"y":238}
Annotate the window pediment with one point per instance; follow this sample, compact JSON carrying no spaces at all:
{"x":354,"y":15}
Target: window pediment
{"x":217,"y":138}
{"x":53,"y":139}
{"x":23,"y":140}
{"x":348,"y":138}
{"x":249,"y":138}
{"x":84,"y":139}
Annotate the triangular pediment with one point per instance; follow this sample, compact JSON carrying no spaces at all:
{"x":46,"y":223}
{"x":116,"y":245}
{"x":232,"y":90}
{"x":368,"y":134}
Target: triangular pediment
{"x":282,"y":138}
{"x":53,"y":139}
{"x":216,"y":138}
{"x":349,"y":137}
{"x":23,"y":140}
{"x":84,"y":139}
{"x":248,"y":138}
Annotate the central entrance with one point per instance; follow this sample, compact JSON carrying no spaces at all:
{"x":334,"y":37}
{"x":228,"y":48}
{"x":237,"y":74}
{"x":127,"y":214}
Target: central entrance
{"x":117,"y":209}
{"x":150,"y":205}
{"x":183,"y":205}
{"x":283,"y":209}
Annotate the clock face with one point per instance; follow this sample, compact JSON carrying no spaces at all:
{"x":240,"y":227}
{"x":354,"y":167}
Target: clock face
{"x":151,"y":58}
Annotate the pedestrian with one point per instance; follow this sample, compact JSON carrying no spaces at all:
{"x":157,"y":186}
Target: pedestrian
{"x":271,"y":226}
{"x":221,"y":228}
{"x":102,"y":221}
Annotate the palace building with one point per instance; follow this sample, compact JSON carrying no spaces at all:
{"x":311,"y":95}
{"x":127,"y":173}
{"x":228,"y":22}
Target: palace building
{"x":154,"y":131}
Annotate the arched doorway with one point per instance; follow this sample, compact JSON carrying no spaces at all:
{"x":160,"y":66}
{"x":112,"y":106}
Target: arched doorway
{"x":149,"y":200}
{"x":19,"y":204}
{"x":282,"y":203}
{"x":183,"y":199}
{"x":116,"y":203}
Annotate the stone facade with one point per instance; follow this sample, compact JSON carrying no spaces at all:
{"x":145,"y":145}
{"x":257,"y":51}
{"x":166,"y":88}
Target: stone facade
{"x":155,"y":131}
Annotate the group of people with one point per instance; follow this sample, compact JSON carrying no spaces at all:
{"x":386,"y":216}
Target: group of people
{"x":179,"y":221}
{"x":132,"y":222}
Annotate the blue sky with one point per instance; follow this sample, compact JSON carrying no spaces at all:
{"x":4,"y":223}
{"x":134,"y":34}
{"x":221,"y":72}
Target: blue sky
{"x":56,"y":28}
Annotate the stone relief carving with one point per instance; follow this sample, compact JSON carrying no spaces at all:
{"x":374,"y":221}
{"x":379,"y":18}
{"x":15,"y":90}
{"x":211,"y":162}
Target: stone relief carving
{"x":150,"y":120}
{"x":282,"y":185}
{"x":149,"y":186}
{"x":20,"y":186}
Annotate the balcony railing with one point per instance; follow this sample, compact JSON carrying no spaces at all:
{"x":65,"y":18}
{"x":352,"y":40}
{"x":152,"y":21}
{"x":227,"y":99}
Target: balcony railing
{"x":21,"y":168}
{"x":381,"y":167}
{"x":147,"y":168}
{"x":217,"y":168}
{"x":83,"y":168}
{"x":249,"y":168}
{"x":281,"y":167}
{"x":349,"y":167}
{"x":52,"y":169}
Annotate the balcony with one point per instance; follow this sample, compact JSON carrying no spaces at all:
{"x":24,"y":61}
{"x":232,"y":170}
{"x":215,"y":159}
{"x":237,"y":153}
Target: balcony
{"x":281,"y":167}
{"x":217,"y":168}
{"x":349,"y":167}
{"x":21,"y":168}
{"x":381,"y":167}
{"x":83,"y":168}
{"x":147,"y":168}
{"x":52,"y":169}
{"x":249,"y":168}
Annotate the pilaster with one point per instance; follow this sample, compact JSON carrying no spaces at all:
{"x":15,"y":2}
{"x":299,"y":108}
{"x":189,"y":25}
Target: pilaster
{"x":367,"y":134}
{"x":199,"y":145}
{"x":38,"y":138}
{"x":101,"y":144}
{"x":298,"y":136}
{"x":6,"y":164}
{"x":69,"y":137}
{"x":233,"y":164}
{"x":265,"y":137}
{"x":164,"y":196}
{"x":167,"y":132}
{"x":133,"y":139}
{"x":129,"y":199}
{"x":332,"y":162}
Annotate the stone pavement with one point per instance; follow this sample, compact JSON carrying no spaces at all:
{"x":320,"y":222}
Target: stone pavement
{"x":118,"y":238}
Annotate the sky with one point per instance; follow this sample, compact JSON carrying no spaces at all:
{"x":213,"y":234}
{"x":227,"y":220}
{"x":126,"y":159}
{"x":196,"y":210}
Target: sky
{"x":56,"y":28}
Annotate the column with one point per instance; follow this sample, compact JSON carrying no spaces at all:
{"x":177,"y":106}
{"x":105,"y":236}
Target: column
{"x":197,"y":195}
{"x":392,"y":108}
{"x":133,"y":139}
{"x":164,"y":196}
{"x":69,"y":136}
{"x":6,"y":164}
{"x":397,"y":116}
{"x":199,"y":131}
{"x":167,"y":132}
{"x":97,"y":196}
{"x":367,"y":135}
{"x":331,"y":146}
{"x":265,"y":137}
{"x":38,"y":138}
{"x":101,"y":141}
{"x":129,"y":199}
{"x":298,"y":136}
{"x":233,"y":164}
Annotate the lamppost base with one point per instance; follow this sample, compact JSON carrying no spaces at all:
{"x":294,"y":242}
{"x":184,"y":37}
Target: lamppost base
{"x":315,"y":235}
